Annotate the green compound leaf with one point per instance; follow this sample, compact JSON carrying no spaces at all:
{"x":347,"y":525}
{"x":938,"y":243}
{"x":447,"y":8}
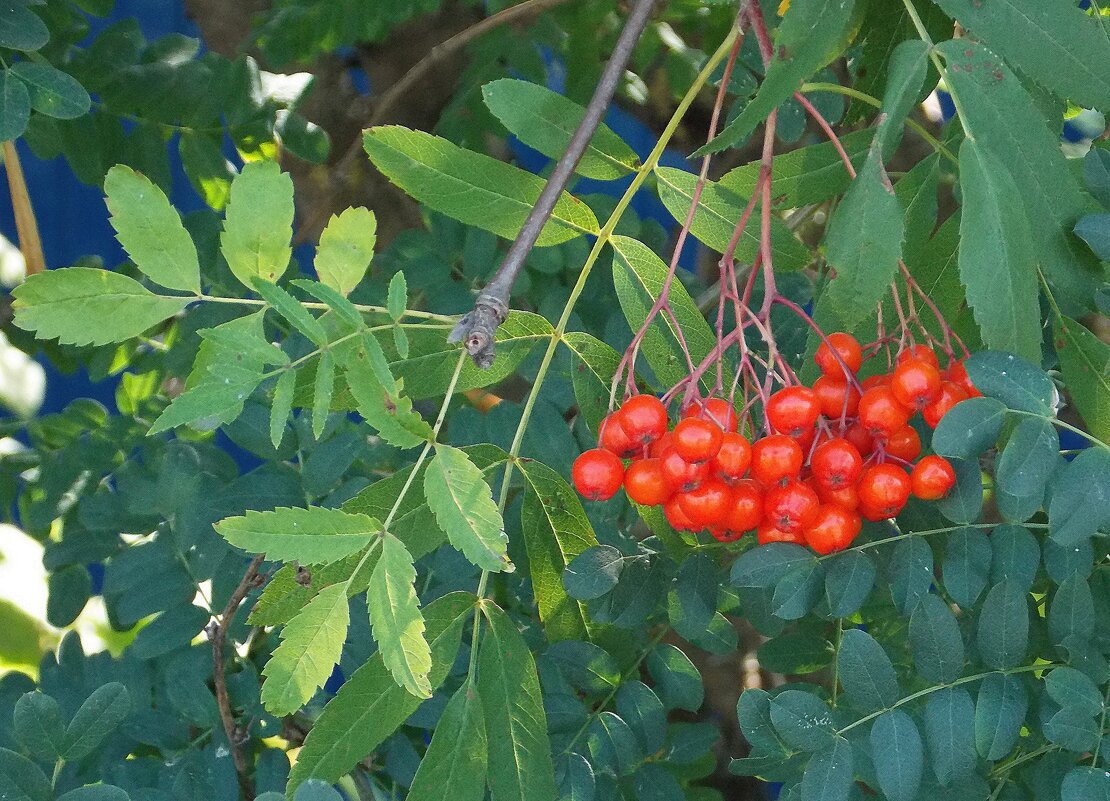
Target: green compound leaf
{"x":54,"y":93}
{"x":101,"y":713}
{"x":938,"y":647}
{"x":898,"y":754}
{"x":454,"y":766}
{"x":1070,"y":43}
{"x":715,"y":220}
{"x":999,"y":714}
{"x":346,"y":248}
{"x":312,"y":536}
{"x":950,"y":732}
{"x":864,"y":243}
{"x":997,"y":260}
{"x":259,"y":223}
{"x":1085,"y":363}
{"x":86,"y":306}
{"x":311,"y":644}
{"x":592,"y":375}
{"x":546,"y":121}
{"x":370,"y":706}
{"x":556,"y":532}
{"x":866,"y":672}
{"x":1003,"y":632}
{"x":395,"y":618}
{"x":470,"y":187}
{"x":461,"y":500}
{"x":150,"y":230}
{"x":812,"y":34}
{"x":520,"y":769}
{"x":970,"y":428}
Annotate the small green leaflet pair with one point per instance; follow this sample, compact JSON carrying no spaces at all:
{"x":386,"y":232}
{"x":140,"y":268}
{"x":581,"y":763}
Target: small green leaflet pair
{"x":312,"y":642}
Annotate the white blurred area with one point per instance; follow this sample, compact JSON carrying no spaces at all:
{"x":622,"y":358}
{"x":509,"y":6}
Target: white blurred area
{"x":22,"y":380}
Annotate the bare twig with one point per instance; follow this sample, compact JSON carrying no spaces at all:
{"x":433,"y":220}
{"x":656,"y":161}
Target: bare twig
{"x":477,"y":328}
{"x":218,"y":634}
{"x":25,"y":225}
{"x":435,"y":56}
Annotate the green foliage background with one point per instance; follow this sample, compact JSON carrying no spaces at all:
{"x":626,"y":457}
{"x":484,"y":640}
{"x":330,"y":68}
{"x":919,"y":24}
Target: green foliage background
{"x":495,"y":634}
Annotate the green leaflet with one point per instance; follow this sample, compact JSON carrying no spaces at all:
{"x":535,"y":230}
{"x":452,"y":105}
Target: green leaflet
{"x":23,"y":778}
{"x":346,"y":248}
{"x":1025,"y":468}
{"x":812,"y":34}
{"x":292,"y":311}
{"x":1003,"y":119}
{"x":311,"y":644}
{"x":22,"y":29}
{"x":864,"y":243}
{"x":997,"y":261}
{"x":595,"y":363}
{"x":907,"y":67}
{"x":461,"y":500}
{"x":259,"y":223}
{"x":454,"y":766}
{"x":101,"y":713}
{"x":1003,"y":632}
{"x":379,"y":402}
{"x":1070,"y":43}
{"x":216,"y":399}
{"x":86,"y":306}
{"x":370,"y":706}
{"x":829,"y":774}
{"x":949,"y":731}
{"x":898,"y":754}
{"x":323,"y":386}
{"x":470,"y":187}
{"x":15,"y":100}
{"x":716,"y":216}
{"x":150,"y":230}
{"x":54,"y":93}
{"x":37,"y":725}
{"x":938,"y":648}
{"x":1085,"y":363}
{"x":311,"y":536}
{"x":546,"y":121}
{"x":396,"y":620}
{"x":556,"y":531}
{"x":866,"y":672}
{"x":999,"y":714}
{"x":520,"y":767}
{"x":639,"y":274}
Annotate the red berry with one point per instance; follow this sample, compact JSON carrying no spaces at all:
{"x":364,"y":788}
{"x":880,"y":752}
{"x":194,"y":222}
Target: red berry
{"x":793,"y":410}
{"x":836,"y":397}
{"x":746,"y":509}
{"x":880,"y":380}
{"x":881,"y":413}
{"x":883,"y":491}
{"x":833,"y":529}
{"x":790,"y":508}
{"x":844,"y":345}
{"x":836,"y":463}
{"x":612,"y":436}
{"x":915,"y":384}
{"x":775,"y":459}
{"x":682,"y":475}
{"x":676,"y":517}
{"x":644,"y":418}
{"x":858,"y":436}
{"x":722,"y":534}
{"x":845,"y":497}
{"x":707,"y":504}
{"x":697,"y":440}
{"x":645,"y":483}
{"x":922,"y":353}
{"x":732,"y":460}
{"x":904,"y":443}
{"x":715,"y":410}
{"x":932,"y":478}
{"x":950,"y":395}
{"x":660,"y":446}
{"x":767,"y":533}
{"x":597,"y":474}
{"x":957,"y":374}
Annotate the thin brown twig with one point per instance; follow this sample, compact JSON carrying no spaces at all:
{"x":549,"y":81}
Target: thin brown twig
{"x":25,"y":225}
{"x":389,"y":98}
{"x":218,"y":635}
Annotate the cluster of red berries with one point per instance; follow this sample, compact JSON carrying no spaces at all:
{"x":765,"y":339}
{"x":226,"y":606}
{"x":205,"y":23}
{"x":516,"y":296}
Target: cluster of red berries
{"x":840,"y":451}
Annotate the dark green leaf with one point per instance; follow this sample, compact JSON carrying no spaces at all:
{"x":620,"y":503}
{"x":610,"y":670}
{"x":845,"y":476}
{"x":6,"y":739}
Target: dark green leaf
{"x":292,"y":311}
{"x":677,"y":681}
{"x":15,"y":106}
{"x":95,"y":792}
{"x":849,"y":579}
{"x":593,"y":572}
{"x":1073,"y":729}
{"x":21,"y":28}
{"x":1094,"y":229}
{"x":613,"y":747}
{"x":1096,"y":174}
{"x":520,"y":768}
{"x":105,"y":709}
{"x":938,"y":648}
{"x":69,"y":591}
{"x":38,"y":727}
{"x":802,"y":720}
{"x":964,"y":502}
{"x":282,"y":406}
{"x":911,"y":573}
{"x":1085,"y":784}
{"x":1080,"y":497}
{"x":53,"y":92}
{"x":1085,"y":364}
{"x":592,"y":375}
{"x":864,"y":243}
{"x":462,"y":502}
{"x":950,"y":733}
{"x":586,"y":666}
{"x":907,"y":68}
{"x":323,"y":386}
{"x":1012,"y":380}
{"x":695,"y":594}
{"x":1023,"y":470}
{"x":796,"y":653}
{"x":999,"y":714}
{"x":763,"y":567}
{"x":1071,"y":612}
{"x":575,"y":778}
{"x":799,"y":590}
{"x":898,"y":754}
{"x":454,"y":766}
{"x":22,"y":779}
{"x":1003,"y":630}
{"x":1015,"y":556}
{"x":644,"y":713}
{"x":546,"y":121}
{"x":970,"y":428}
{"x":828,"y":776}
{"x":397,"y":296}
{"x":865,"y":672}
{"x":753,"y":710}
{"x":1074,"y":690}
{"x":967,"y":565}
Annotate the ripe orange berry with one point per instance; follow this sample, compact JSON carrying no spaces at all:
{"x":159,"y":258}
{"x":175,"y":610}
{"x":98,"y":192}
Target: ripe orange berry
{"x":682,"y":475}
{"x":836,"y":463}
{"x":904,"y":443}
{"x":746,"y":509}
{"x":950,"y":395}
{"x":776,"y":459}
{"x":915,"y":384}
{"x":732,"y":460}
{"x":715,"y":410}
{"x":844,"y":345}
{"x":883,"y":491}
{"x":597,"y":474}
{"x":932,"y":478}
{"x":644,"y":418}
{"x":836,"y":397}
{"x":645,"y":483}
{"x":921,"y":353}
{"x":858,"y":436}
{"x":697,"y":440}
{"x":706,"y":504}
{"x":790,"y":508}
{"x":845,"y":497}
{"x":957,"y":374}
{"x":833,"y":529}
{"x":793,"y":410}
{"x":612,"y":437}
{"x":881,"y":413}
{"x":767,"y":533}
{"x":676,"y":517}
